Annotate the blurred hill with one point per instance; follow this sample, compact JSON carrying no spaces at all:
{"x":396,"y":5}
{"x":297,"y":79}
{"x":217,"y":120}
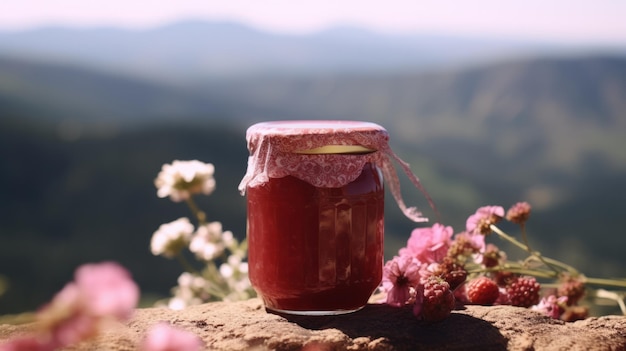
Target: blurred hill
{"x":79,"y":149}
{"x":196,"y":50}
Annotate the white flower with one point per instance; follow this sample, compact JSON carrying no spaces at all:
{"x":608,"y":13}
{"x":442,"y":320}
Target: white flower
{"x":185,"y":279}
{"x":191,"y":290}
{"x":235,"y":274}
{"x":171,"y":237}
{"x":207,"y":243}
{"x":181,"y":179}
{"x":226,"y":271}
{"x":229,"y":240}
{"x":176,"y":303}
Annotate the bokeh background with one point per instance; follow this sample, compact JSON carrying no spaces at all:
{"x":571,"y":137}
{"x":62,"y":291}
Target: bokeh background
{"x":490,"y":102}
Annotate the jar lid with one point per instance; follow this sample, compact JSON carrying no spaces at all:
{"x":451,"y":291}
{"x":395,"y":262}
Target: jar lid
{"x":323,"y":153}
{"x":314,"y":136}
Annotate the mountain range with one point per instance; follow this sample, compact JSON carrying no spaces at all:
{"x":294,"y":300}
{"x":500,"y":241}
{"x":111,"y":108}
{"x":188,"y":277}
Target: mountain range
{"x":194,"y":50}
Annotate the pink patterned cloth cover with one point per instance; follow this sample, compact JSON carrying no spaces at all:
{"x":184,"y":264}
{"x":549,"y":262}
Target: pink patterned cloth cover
{"x":275,"y":152}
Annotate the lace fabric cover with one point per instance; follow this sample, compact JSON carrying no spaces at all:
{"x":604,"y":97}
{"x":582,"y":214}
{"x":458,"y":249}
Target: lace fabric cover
{"x":276,"y":151}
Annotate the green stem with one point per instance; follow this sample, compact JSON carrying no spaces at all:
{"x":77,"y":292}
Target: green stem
{"x":532,"y":252}
{"x":611,"y":295}
{"x":215,"y":291}
{"x":186,"y":265}
{"x":607,"y":282}
{"x":526,"y":247}
{"x":519,"y":270}
{"x":199,"y":214}
{"x":552,"y":263}
{"x":562,"y":265}
{"x":508,"y":237}
{"x":524,"y":237}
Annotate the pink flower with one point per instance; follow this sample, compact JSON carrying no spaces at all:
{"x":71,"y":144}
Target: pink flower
{"x":518,"y":213}
{"x":483,"y":218}
{"x":164,"y":337}
{"x":429,"y":245}
{"x":107,"y":289}
{"x":99,"y":293}
{"x":28,"y":343}
{"x":400,"y":275}
{"x":551,"y":306}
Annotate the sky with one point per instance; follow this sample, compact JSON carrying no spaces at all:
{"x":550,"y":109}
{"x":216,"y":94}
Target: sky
{"x":599,"y":21}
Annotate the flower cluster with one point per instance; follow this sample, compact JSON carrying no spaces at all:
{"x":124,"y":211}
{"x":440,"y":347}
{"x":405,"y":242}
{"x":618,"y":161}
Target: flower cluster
{"x":101,"y":295}
{"x":224,"y":272}
{"x":182,"y":179}
{"x":439,"y":270}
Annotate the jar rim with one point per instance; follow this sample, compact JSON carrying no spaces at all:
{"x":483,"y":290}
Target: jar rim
{"x":313,"y":127}
{"x":301,"y":136}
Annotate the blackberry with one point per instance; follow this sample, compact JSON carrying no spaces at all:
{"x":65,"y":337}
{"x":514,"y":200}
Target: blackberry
{"x":523,"y":291}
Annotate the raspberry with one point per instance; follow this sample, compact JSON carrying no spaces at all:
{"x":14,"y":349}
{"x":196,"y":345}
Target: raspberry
{"x":438,"y":300}
{"x":482,"y":291}
{"x":523,"y":292}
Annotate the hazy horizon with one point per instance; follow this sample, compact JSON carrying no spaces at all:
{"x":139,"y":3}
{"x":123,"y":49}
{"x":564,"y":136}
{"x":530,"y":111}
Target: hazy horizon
{"x":583,"y":22}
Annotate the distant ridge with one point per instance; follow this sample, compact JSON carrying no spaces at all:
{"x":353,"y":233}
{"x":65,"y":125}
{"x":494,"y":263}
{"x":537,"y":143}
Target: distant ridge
{"x":196,"y":49}
{"x":556,"y":110}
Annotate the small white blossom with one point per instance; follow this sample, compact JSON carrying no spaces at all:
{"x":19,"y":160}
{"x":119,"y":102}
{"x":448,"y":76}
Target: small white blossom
{"x":171,"y":237}
{"x":191,"y":290}
{"x":185,"y":279}
{"x":229,"y":240}
{"x":207,"y":243}
{"x":226,"y":271}
{"x":181,"y":179}
{"x":176,"y":303}
{"x":235,"y":274}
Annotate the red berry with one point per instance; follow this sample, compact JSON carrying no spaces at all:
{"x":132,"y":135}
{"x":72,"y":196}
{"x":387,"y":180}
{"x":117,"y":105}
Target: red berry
{"x":523,"y":292}
{"x":482,"y":291}
{"x":438,"y":300}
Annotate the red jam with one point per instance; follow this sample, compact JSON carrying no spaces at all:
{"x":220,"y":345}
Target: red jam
{"x":316,"y":250}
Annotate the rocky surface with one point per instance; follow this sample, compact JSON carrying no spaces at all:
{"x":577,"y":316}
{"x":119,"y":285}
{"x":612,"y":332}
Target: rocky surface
{"x":247,"y":326}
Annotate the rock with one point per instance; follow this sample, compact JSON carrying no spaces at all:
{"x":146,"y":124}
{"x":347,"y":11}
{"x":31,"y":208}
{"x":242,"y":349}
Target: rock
{"x":247,"y":326}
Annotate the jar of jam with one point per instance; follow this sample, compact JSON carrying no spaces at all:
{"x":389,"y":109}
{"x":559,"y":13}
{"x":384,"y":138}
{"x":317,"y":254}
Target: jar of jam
{"x":315,"y":204}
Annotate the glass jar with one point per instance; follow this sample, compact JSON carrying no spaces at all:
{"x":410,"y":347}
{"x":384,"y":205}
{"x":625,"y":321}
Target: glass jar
{"x":315,"y":201}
